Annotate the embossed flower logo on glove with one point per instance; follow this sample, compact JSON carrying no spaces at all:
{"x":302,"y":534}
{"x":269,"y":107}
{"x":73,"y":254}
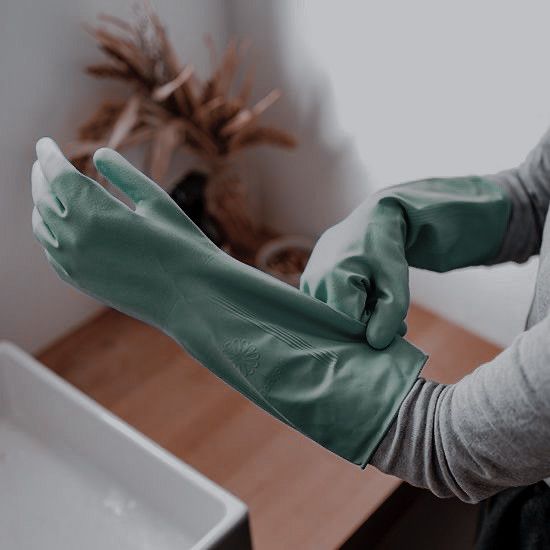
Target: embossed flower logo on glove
{"x":243,"y":355}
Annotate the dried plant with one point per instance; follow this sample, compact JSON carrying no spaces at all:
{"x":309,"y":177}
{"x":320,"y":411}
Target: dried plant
{"x":169,"y":107}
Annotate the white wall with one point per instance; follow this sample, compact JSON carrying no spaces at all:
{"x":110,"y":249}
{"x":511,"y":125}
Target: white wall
{"x":384,"y":92}
{"x":377,"y":93}
{"x":44,"y":92}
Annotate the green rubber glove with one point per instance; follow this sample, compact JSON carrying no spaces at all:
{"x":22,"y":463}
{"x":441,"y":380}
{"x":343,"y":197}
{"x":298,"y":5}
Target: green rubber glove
{"x":292,"y":355}
{"x":360,"y":266}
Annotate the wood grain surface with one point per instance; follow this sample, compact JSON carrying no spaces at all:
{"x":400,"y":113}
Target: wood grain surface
{"x":299,"y":495}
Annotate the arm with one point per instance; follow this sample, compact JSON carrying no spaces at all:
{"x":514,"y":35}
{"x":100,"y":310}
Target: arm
{"x":528,"y":187}
{"x":487,"y":432}
{"x":293,"y":356}
{"x":360,"y":266}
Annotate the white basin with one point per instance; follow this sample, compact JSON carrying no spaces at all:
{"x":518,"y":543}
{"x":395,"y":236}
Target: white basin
{"x":74,"y":476}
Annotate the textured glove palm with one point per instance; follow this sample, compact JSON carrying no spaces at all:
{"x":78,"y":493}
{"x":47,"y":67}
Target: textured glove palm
{"x":294,"y":356}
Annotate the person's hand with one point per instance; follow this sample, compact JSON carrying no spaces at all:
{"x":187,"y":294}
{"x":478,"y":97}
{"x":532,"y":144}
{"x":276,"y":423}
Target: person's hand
{"x":98,"y":244}
{"x":301,"y":361}
{"x":358,"y":267}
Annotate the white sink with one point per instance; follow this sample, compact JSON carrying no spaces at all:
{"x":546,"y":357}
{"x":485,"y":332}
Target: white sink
{"x":74,"y":476}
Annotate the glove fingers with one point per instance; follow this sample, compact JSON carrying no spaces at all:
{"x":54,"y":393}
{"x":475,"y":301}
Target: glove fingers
{"x":49,"y":206}
{"x":42,"y":232}
{"x":58,"y":172}
{"x":402,"y":329}
{"x":383,"y":325}
{"x":59,"y":269}
{"x":125,"y":176}
{"x":390,"y":310}
{"x":345,"y":294}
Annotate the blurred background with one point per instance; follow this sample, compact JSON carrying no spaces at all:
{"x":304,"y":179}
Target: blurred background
{"x":353,"y":96}
{"x":375,"y":94}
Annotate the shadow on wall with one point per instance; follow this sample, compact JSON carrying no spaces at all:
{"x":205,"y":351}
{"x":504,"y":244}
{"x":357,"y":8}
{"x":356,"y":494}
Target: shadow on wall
{"x":312,"y":187}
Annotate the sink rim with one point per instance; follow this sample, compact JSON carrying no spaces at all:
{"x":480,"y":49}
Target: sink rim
{"x":235,"y":511}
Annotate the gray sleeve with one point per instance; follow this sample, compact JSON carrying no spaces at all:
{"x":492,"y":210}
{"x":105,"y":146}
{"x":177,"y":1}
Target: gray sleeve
{"x":487,"y":432}
{"x":529,"y":189}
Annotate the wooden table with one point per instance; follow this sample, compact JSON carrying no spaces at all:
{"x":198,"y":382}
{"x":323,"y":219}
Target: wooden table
{"x":299,"y":495}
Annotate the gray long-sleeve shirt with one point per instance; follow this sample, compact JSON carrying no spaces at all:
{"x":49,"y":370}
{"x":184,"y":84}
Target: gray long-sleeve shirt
{"x":491,"y":430}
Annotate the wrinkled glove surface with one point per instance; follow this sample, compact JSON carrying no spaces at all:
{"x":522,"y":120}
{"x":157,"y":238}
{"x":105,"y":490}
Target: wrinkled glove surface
{"x":360,"y":266}
{"x":294,"y":356}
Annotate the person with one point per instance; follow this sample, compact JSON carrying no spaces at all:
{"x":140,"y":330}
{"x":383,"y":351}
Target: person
{"x":303,"y":356}
{"x":486,"y":437}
